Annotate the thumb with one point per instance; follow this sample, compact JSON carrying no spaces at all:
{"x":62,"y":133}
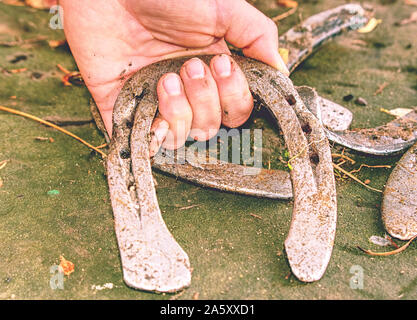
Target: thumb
{"x":249,"y":29}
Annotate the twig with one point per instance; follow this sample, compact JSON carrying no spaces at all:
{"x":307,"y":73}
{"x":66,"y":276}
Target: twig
{"x":391,"y":241}
{"x":256,"y":216}
{"x":175,"y":297}
{"x":343,"y":156}
{"x":189,"y":207}
{"x":388,"y":253}
{"x":66,"y":71}
{"x":342,"y":162}
{"x":381,"y":88}
{"x":288,"y":275}
{"x":26,"y":115}
{"x":284,"y":15}
{"x":102,"y":146}
{"x":354,"y":178}
{"x":368,"y":166}
{"x":3,"y":163}
{"x":21,"y":42}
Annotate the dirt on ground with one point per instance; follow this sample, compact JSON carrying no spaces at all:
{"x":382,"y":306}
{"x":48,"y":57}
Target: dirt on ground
{"x":54,"y":199}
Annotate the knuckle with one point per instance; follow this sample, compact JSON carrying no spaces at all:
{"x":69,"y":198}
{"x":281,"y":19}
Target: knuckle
{"x":272,"y":27}
{"x":238,"y":101}
{"x":172,"y":112}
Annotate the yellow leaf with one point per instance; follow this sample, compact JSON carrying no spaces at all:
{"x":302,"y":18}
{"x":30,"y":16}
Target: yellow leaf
{"x":284,"y":54}
{"x":3,"y":163}
{"x":398,"y":112}
{"x":371,"y":25}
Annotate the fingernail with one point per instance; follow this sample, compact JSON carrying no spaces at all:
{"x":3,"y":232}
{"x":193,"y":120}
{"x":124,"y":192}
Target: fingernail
{"x":222,"y":66}
{"x":195,"y":69}
{"x":172,"y":85}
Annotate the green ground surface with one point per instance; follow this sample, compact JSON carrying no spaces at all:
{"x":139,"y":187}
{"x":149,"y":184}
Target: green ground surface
{"x":233,"y":254}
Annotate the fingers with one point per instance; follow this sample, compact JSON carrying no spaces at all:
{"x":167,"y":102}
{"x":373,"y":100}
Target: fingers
{"x":201,"y":90}
{"x":235,"y":98}
{"x":199,"y":100}
{"x":249,"y":29}
{"x":175,"y":109}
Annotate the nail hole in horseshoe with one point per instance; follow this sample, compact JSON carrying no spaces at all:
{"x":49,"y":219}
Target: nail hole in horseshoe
{"x":306,"y":128}
{"x":314,"y":158}
{"x":125,"y":154}
{"x":129,"y":124}
{"x":291,"y":100}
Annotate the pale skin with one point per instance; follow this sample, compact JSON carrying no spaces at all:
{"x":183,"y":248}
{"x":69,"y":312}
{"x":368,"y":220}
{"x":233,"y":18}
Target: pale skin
{"x":112,"y":39}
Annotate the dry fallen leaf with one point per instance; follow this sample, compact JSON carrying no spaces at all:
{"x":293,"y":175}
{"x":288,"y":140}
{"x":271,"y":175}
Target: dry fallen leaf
{"x":57,"y":43}
{"x":18,"y":70}
{"x":370,"y":26}
{"x":108,"y":285}
{"x":398,"y":112}
{"x":287,"y":3}
{"x":3,"y":163}
{"x":379,"y":241}
{"x":72,"y":78}
{"x":67,"y":267}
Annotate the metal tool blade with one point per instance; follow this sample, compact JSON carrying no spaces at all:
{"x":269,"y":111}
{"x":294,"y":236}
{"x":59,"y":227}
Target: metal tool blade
{"x":399,"y":205}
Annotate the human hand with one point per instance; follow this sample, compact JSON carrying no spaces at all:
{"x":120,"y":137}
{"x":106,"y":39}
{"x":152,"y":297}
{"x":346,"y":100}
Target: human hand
{"x":113,"y":39}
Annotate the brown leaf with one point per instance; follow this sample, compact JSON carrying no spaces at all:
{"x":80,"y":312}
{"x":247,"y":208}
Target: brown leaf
{"x":57,"y":43}
{"x":73,"y":78}
{"x":18,"y":70}
{"x":67,"y":267}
